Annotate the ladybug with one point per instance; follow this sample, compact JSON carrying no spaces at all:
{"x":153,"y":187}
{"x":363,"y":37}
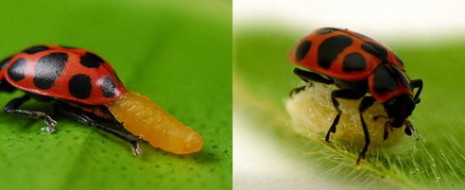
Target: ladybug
{"x":360,"y":68}
{"x":86,"y":88}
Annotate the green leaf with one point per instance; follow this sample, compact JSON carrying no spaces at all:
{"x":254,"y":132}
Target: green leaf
{"x":263,"y":79}
{"x":176,"y":52}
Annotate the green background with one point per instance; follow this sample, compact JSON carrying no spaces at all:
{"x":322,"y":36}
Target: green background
{"x":263,"y":79}
{"x":176,"y":52}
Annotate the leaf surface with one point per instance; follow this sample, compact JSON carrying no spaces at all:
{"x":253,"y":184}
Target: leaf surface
{"x":176,"y":52}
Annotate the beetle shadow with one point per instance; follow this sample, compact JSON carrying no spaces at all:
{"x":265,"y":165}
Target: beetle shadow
{"x":28,"y":125}
{"x":205,"y":156}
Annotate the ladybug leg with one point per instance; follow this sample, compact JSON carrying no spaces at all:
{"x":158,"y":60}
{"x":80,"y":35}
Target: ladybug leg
{"x":417,"y":83}
{"x":311,"y":76}
{"x":348,"y":93}
{"x":13,"y":105}
{"x":367,"y":102}
{"x":89,"y":120}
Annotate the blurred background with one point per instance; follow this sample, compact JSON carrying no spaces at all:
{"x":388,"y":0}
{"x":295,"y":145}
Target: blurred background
{"x":176,"y":52}
{"x":430,"y":38}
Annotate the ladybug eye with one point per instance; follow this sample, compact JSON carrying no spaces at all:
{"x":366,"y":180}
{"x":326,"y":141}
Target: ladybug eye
{"x":302,"y":50}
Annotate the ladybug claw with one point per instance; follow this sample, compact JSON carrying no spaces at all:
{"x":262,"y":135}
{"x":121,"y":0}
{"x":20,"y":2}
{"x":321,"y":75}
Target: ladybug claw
{"x":50,"y":129}
{"x":136,"y":149}
{"x":51,"y":125}
{"x":46,"y":128}
{"x":359,"y":159}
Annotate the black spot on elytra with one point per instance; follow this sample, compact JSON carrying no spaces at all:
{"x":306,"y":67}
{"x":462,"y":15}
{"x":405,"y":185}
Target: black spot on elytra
{"x":375,"y":49}
{"x":302,"y":50}
{"x":327,"y":30}
{"x":108,"y":87}
{"x":80,"y":86}
{"x":16,"y":70}
{"x":401,"y":76}
{"x":48,"y":69}
{"x":354,"y":62}
{"x":330,"y":48}
{"x":91,"y":60}
{"x":35,"y":49}
{"x":4,"y":62}
{"x":384,"y":80}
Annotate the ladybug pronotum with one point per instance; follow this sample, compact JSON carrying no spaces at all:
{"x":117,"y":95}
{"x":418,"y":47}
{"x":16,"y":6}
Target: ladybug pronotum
{"x":362,"y":69}
{"x":86,"y":88}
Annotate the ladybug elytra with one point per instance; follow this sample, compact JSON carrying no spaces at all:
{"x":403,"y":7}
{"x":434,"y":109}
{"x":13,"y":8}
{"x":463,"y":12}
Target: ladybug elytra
{"x":85,"y":87}
{"x":360,"y":68}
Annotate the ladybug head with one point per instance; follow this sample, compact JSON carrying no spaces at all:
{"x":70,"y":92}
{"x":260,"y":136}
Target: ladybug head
{"x":399,"y":108}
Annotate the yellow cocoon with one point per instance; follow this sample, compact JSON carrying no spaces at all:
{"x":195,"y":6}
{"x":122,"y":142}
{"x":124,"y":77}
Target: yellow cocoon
{"x":312,"y":114}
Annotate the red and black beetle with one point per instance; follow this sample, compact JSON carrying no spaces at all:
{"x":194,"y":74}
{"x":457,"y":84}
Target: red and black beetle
{"x":86,"y":88}
{"x":358,"y":66}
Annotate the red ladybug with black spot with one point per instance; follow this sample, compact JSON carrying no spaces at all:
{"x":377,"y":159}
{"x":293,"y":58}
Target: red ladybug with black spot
{"x":85,"y":87}
{"x":359,"y":67}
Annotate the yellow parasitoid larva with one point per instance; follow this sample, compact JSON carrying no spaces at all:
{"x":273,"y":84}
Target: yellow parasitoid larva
{"x":144,"y":118}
